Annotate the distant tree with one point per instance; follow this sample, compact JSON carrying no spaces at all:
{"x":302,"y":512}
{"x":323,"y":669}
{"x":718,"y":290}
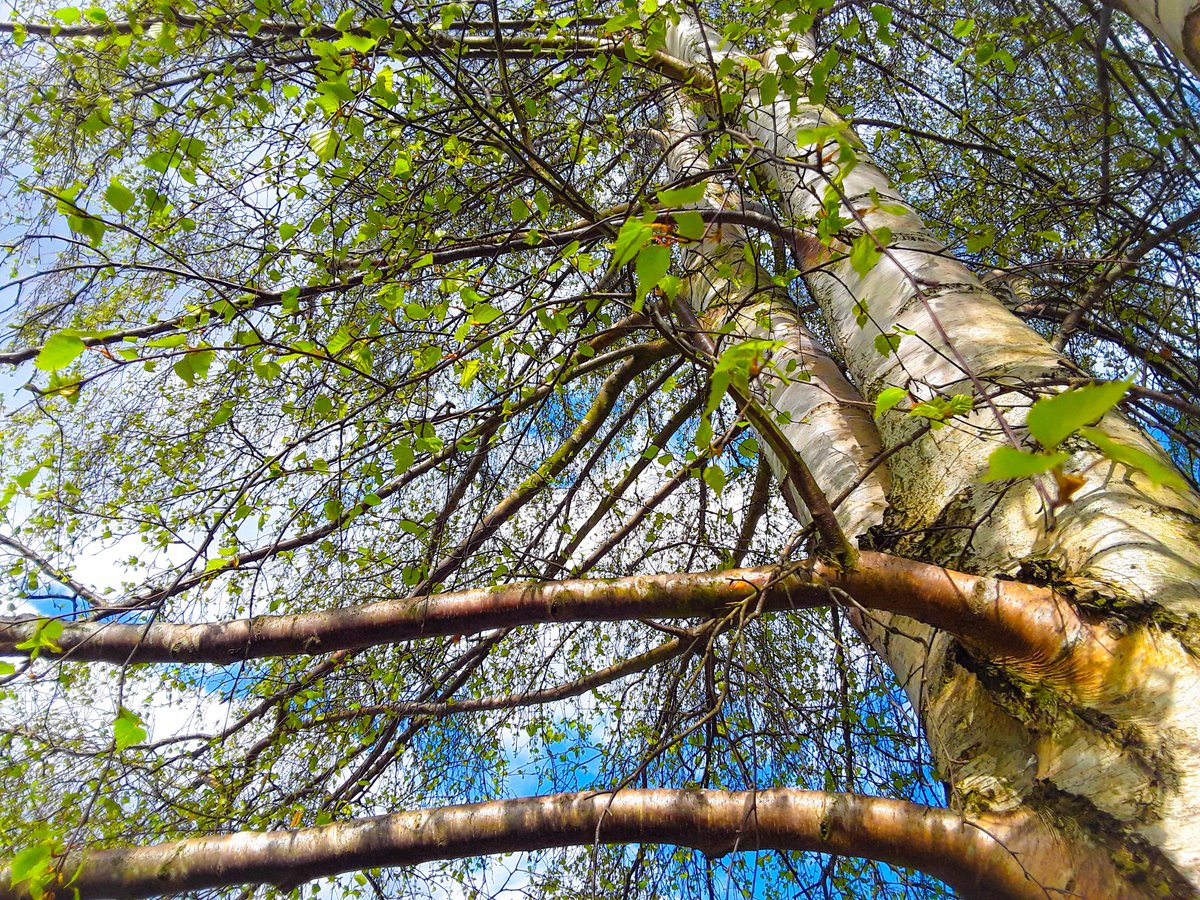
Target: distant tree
{"x":743,"y":450}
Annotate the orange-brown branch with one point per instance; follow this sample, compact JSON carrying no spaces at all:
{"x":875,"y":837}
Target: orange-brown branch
{"x":1030,"y":628}
{"x":994,"y":857}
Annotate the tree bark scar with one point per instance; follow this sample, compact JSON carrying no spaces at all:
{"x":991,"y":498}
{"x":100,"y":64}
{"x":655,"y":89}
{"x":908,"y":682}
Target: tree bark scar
{"x":809,"y":251}
{"x":1191,"y":36}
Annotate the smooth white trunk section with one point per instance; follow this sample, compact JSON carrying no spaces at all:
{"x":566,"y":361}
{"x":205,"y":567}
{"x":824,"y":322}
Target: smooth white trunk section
{"x":1122,"y":542}
{"x":820,"y":413}
{"x":1174,"y":22}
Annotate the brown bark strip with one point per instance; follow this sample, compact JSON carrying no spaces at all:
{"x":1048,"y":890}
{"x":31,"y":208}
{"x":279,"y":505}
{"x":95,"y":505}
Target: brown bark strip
{"x":993,"y":857}
{"x":1191,"y":37}
{"x":1031,"y":629}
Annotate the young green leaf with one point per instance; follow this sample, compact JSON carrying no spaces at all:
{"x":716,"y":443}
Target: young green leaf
{"x":684,"y":196}
{"x":31,"y":864}
{"x":1156,"y":471}
{"x":59,"y":351}
{"x":127,"y":729}
{"x":119,"y":197}
{"x":1052,"y":419}
{"x":714,"y":477}
{"x":887,"y":344}
{"x":193,"y":365}
{"x":888,"y":399}
{"x":1009,"y":462}
{"x":864,"y":254}
{"x":652,"y":264}
{"x":633,"y":236}
{"x":689,"y":225}
{"x":45,"y":635}
{"x":484,"y":314}
{"x":325,"y":143}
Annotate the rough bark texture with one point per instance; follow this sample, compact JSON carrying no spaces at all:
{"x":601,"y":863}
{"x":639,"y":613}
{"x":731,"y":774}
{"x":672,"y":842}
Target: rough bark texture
{"x":1115,"y":756}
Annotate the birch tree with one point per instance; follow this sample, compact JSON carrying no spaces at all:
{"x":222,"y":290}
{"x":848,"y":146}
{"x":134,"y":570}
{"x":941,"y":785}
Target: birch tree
{"x":606,"y":449}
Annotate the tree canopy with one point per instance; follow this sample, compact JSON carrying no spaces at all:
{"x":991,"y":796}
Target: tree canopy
{"x":330,"y":328}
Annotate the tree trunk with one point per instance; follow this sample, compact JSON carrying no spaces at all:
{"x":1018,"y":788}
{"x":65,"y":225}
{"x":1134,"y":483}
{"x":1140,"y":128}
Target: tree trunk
{"x":1112,"y":752}
{"x":1174,"y":22}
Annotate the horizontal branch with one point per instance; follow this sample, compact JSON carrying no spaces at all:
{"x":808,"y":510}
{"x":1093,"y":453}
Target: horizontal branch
{"x":979,"y":859}
{"x":491,"y":246}
{"x":1030,"y":628}
{"x":412,"y":42}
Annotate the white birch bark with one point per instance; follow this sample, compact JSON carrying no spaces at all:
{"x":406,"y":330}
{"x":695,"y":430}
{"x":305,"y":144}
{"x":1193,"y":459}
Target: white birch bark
{"x":825,"y":417}
{"x":1174,"y":22}
{"x":1126,"y":545}
{"x":822,"y":416}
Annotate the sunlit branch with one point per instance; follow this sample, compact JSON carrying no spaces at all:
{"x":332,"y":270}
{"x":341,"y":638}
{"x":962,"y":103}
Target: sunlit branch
{"x":1030,"y":628}
{"x":980,"y":857}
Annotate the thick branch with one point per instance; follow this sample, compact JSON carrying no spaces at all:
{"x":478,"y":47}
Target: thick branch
{"x":1030,"y":628}
{"x":989,"y":858}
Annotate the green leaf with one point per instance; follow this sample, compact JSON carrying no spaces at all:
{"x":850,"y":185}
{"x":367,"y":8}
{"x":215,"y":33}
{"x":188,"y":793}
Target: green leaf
{"x":865,"y":253}
{"x":734,"y":365}
{"x":887,"y":344}
{"x":888,"y":399}
{"x":689,"y":225}
{"x":768,"y":88}
{"x":450,"y":12}
{"x":938,"y":409}
{"x":193,"y":364}
{"x":981,"y":239}
{"x":963,"y":27}
{"x":519,"y":209}
{"x":45,"y":635}
{"x":25,"y":479}
{"x":224,"y":411}
{"x":1009,"y":462}
{"x":652,"y":264}
{"x":127,"y":729}
{"x":119,"y":197}
{"x":89,"y":226}
{"x":31,"y":864}
{"x":59,"y":351}
{"x":325,"y":143}
{"x":714,"y":477}
{"x":484,"y":314}
{"x":1052,"y":419}
{"x":359,"y":43}
{"x":633,"y":236}
{"x":1155,"y":470}
{"x":685,"y":196}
